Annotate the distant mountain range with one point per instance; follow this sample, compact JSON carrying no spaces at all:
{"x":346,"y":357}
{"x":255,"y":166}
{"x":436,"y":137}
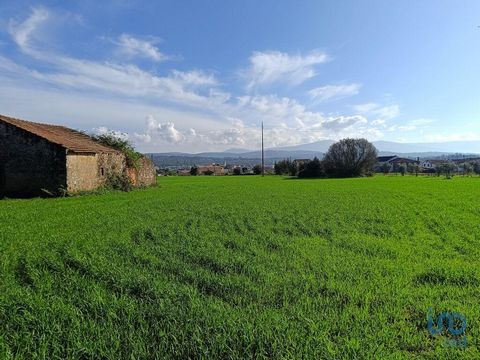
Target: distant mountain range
{"x":471,"y":147}
{"x":247,"y":157}
{"x":250,"y":158}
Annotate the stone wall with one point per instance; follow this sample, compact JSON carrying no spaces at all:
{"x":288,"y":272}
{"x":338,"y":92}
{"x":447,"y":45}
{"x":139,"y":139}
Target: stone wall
{"x":82,"y":173}
{"x":87,"y":172}
{"x":144,"y":175}
{"x":110,"y":164}
{"x":29,"y":165}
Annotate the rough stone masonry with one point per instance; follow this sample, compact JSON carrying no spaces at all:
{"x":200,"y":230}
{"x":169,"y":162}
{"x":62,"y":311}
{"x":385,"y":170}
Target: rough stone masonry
{"x":38,"y":158}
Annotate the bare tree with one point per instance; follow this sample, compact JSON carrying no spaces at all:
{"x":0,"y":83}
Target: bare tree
{"x":448,"y":169}
{"x":418,"y":169}
{"x":351,"y":157}
{"x":467,"y":169}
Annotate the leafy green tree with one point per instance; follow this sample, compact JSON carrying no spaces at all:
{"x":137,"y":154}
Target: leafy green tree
{"x":292,"y":168}
{"x":194,"y":171}
{"x":280,"y":167}
{"x":351,"y":157}
{"x":257,"y":169}
{"x":312,"y":169}
{"x":285,"y":167}
{"x":237,"y":171}
{"x":276,"y":168}
{"x":120,"y":182}
{"x":476,"y":167}
{"x":114,"y":141}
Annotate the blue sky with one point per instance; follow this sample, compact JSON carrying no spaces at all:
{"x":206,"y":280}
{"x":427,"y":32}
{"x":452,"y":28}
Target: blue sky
{"x":202,"y":75}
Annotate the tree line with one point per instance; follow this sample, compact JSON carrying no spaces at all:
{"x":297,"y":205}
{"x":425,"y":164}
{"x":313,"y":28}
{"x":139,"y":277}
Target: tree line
{"x":448,"y":169}
{"x":345,"y":158}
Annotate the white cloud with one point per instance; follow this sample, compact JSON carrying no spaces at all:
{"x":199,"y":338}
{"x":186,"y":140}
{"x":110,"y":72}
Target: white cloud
{"x":86,"y":111}
{"x":231,"y":137}
{"x":108,"y":77}
{"x":120,"y":96}
{"x":422,"y":121}
{"x":365,"y":108}
{"x":407,"y":127}
{"x":164,"y":131}
{"x":157,"y":133}
{"x":274,"y":66}
{"x":271,"y":108}
{"x":195,"y":78}
{"x":387,"y":112}
{"x":179,"y":130}
{"x":414,"y":125}
{"x":333,"y":92}
{"x":130,"y":80}
{"x":23,"y":32}
{"x":132,"y":47}
{"x":383,"y":112}
{"x":8,"y":67}
{"x":340,"y":123}
{"x":378,"y":122}
{"x":291,"y":122}
{"x":103,"y":130}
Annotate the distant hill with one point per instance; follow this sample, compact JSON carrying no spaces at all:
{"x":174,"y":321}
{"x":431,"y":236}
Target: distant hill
{"x":246,"y":157}
{"x":318,"y":146}
{"x":237,"y":151}
{"x":471,"y":147}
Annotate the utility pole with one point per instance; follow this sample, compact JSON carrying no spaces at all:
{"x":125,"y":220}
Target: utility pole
{"x":263,"y":155}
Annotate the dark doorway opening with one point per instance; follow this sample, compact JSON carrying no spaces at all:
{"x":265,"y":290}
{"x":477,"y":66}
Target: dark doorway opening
{"x":2,"y":178}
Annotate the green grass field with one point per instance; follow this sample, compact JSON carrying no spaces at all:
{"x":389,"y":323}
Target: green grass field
{"x":242,"y":267}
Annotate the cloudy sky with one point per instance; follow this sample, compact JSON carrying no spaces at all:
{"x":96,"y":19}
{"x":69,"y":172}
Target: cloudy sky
{"x":202,"y":75}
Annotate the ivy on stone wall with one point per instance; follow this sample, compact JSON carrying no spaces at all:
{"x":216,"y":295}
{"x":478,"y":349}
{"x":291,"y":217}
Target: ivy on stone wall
{"x":110,"y":139}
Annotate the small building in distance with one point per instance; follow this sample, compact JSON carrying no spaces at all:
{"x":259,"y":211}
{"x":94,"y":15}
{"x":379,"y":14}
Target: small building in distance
{"x":382,"y":160}
{"x":427,"y":164}
{"x":184,"y":172}
{"x":301,"y":162}
{"x":398,"y":161}
{"x":38,"y":158}
{"x":214,"y":169}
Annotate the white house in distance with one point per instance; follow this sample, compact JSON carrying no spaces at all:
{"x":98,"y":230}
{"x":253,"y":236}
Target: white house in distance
{"x":427,"y":164}
{"x":394,"y":161}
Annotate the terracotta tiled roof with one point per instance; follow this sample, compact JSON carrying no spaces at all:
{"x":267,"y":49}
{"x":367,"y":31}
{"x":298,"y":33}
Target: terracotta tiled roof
{"x":68,"y":138}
